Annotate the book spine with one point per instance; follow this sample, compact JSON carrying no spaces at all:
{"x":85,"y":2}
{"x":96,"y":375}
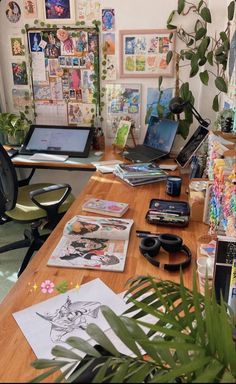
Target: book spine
{"x":232,"y":289}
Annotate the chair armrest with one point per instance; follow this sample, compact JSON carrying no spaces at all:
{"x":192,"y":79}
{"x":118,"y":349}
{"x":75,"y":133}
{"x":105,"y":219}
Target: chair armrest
{"x":52,"y":209}
{"x":22,"y":183}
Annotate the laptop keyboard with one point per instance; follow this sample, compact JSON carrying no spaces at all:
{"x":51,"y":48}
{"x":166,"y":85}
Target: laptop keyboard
{"x":143,"y":153}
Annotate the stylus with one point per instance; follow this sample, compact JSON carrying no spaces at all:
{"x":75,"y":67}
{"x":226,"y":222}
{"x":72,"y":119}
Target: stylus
{"x":146,"y":234}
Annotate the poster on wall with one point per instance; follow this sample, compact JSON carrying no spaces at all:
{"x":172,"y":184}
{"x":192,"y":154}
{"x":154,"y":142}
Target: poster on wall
{"x":59,"y":11}
{"x":63,"y":70}
{"x":143,"y":53}
{"x":19,"y":73}
{"x":30,"y":8}
{"x":13,"y":12}
{"x":123,"y":102}
{"x":17,"y":47}
{"x":108,"y":19}
{"x":87,"y":11}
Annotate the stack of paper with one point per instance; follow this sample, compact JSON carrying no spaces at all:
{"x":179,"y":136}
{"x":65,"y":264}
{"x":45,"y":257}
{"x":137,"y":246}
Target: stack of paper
{"x":140,"y":173}
{"x":106,"y":166}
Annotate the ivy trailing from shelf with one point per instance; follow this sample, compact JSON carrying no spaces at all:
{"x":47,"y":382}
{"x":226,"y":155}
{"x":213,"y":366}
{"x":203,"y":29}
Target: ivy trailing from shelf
{"x":200,"y":49}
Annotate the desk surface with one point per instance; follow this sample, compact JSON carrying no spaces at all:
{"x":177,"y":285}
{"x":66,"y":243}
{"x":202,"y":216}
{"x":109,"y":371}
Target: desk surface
{"x":72,"y":163}
{"x":16,"y":353}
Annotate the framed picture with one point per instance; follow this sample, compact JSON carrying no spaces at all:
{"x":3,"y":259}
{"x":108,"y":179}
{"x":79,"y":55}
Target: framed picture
{"x":144,"y":52}
{"x":122,"y":133}
{"x":59,"y":12}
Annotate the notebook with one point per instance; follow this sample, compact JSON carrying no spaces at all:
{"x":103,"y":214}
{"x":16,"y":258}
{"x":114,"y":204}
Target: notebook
{"x":157,"y":143}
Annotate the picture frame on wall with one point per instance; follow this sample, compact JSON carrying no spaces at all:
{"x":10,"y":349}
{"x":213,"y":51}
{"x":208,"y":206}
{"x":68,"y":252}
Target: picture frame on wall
{"x":144,"y":52}
{"x":59,"y":13}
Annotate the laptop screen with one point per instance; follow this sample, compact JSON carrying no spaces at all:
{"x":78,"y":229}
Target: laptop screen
{"x":72,"y":141}
{"x":160,"y":133}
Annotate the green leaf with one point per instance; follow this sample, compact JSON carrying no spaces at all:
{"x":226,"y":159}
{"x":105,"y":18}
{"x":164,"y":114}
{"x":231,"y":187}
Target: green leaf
{"x":171,"y":26}
{"x":181,"y":5}
{"x":119,"y":329}
{"x":223,"y":36}
{"x":169,"y":20}
{"x":188,"y":55}
{"x":204,"y":76}
{"x":82,"y":345}
{"x":203,"y":46}
{"x":184,"y":91}
{"x":46,"y":363}
{"x":200,"y":33}
{"x":200,"y":4}
{"x":194,"y":70}
{"x":221,"y":84}
{"x":120,"y":373}
{"x":160,"y":79}
{"x":98,"y":335}
{"x":206,"y":14}
{"x":202,"y":61}
{"x":231,"y":8}
{"x":60,"y":351}
{"x":44,"y":375}
{"x":183,"y":128}
{"x":169,"y":56}
{"x":210,"y":57}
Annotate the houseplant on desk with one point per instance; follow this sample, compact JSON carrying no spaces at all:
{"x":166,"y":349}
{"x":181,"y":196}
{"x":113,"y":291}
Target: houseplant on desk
{"x":14,"y":127}
{"x":190,"y":341}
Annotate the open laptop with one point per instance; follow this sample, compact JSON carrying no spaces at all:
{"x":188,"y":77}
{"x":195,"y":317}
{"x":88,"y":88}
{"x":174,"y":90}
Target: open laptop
{"x":57,"y":140}
{"x":157,"y":143}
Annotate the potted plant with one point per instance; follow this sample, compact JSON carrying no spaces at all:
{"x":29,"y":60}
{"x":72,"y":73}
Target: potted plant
{"x":224,"y":120}
{"x":188,"y":337}
{"x":14,"y":127}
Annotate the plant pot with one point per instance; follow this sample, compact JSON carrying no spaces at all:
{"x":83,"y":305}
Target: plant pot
{"x":226,"y":124}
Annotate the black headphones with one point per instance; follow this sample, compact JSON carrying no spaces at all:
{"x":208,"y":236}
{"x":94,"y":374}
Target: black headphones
{"x":150,"y":246}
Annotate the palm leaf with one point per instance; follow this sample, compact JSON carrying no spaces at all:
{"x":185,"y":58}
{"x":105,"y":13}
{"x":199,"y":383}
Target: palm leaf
{"x":184,"y":335}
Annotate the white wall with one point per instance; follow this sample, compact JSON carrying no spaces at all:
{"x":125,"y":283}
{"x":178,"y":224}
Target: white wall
{"x":130,"y":14}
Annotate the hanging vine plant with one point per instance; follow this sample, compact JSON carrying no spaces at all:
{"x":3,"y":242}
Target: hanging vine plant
{"x":205,"y":55}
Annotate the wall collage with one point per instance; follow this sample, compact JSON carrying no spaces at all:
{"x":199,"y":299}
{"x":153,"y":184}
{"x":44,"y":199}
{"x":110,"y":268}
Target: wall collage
{"x":55,"y":66}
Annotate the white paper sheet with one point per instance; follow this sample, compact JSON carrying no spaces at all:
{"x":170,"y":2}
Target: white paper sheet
{"x":52,"y":321}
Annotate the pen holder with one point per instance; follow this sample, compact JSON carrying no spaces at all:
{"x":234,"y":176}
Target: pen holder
{"x":167,"y":212}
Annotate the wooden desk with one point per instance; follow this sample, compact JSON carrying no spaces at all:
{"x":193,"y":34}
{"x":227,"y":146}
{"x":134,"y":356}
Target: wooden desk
{"x":16,"y":353}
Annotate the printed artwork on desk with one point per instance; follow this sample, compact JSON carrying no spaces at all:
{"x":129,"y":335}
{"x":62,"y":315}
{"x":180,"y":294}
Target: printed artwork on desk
{"x":52,"y":321}
{"x":30,"y":8}
{"x":17,"y":47}
{"x":122,"y":101}
{"x":19,"y":73}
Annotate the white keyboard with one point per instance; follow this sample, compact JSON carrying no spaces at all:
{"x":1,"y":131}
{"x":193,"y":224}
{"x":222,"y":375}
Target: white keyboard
{"x":48,"y":157}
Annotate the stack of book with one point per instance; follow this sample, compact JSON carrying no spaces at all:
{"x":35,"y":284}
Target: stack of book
{"x":140,"y":173}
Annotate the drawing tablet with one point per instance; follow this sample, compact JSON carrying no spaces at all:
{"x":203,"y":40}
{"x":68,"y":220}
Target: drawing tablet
{"x":191,"y":146}
{"x":58,"y":140}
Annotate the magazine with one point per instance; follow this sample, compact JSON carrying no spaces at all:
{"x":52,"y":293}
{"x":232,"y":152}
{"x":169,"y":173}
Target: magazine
{"x":140,"y":173}
{"x":107,"y":207}
{"x":93,"y":242}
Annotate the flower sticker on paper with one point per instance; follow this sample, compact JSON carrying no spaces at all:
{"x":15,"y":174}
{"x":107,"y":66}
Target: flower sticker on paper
{"x":47,"y":286}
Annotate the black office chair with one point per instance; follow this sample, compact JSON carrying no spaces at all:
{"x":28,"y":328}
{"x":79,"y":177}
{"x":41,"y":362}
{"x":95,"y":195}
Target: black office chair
{"x":41,"y":205}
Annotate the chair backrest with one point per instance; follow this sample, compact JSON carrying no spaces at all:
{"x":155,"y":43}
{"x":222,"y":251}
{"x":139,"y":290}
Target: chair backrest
{"x":8,"y":182}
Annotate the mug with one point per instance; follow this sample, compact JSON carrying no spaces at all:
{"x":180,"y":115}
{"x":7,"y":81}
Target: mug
{"x":173,"y":185}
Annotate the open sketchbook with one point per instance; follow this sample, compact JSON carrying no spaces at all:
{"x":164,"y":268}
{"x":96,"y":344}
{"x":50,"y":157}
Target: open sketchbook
{"x":93,"y":242}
